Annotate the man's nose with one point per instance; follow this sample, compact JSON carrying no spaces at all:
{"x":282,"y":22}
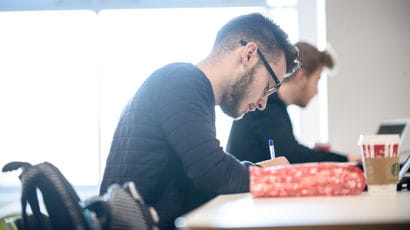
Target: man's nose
{"x":262,"y":103}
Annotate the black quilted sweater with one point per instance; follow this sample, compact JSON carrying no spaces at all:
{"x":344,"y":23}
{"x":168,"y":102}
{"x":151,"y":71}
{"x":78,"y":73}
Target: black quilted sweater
{"x":166,"y":143}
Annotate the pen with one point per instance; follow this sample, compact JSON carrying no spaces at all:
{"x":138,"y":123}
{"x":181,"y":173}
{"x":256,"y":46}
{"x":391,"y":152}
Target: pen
{"x":271,"y":149}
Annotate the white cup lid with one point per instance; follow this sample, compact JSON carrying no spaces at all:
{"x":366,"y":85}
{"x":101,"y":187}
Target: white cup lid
{"x":379,"y":139}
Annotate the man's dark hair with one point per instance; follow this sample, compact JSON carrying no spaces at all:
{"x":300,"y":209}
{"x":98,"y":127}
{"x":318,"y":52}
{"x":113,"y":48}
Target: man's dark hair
{"x":311,"y":58}
{"x":255,"y":27}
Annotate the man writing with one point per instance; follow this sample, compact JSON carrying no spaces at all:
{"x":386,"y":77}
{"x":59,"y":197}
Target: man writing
{"x":249,"y":136}
{"x":165,"y":141}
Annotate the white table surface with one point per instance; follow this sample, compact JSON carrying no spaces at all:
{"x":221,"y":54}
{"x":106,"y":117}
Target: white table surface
{"x":338,"y":212}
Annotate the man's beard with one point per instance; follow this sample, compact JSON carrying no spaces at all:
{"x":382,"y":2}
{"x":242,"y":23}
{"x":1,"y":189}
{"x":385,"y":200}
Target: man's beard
{"x":232,"y":98}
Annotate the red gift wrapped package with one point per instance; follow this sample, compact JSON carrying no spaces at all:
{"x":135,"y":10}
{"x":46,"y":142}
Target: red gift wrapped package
{"x":309,"y":179}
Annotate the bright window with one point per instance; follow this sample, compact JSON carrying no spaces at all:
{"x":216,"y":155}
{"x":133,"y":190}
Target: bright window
{"x":49,"y":92}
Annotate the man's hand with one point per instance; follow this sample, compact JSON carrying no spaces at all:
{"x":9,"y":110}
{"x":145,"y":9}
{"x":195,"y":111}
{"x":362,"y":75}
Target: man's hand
{"x":275,"y":162}
{"x":354,"y":158}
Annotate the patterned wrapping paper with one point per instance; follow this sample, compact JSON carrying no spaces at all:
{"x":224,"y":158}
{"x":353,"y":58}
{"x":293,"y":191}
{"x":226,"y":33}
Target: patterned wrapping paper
{"x":309,"y":179}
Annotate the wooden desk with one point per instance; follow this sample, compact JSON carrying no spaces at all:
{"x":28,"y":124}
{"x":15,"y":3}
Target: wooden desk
{"x":242,"y":211}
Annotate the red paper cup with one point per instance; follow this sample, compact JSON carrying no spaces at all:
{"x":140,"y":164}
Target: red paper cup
{"x":381,"y":162}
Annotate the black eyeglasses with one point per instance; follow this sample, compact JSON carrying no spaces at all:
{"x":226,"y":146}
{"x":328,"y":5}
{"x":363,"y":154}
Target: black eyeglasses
{"x":275,"y":78}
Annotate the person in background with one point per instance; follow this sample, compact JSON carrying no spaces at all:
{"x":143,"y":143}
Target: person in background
{"x":248,"y":139}
{"x":165,"y":141}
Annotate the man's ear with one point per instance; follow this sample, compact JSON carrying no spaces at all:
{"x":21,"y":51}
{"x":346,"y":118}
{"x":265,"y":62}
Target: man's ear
{"x":300,"y":78}
{"x":249,"y":54}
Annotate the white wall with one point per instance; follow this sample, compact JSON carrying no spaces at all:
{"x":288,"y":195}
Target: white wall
{"x":310,"y":123}
{"x":372,"y":42}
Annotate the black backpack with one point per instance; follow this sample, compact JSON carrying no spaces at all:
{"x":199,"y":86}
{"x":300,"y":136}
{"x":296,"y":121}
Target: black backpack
{"x":121,"y":208}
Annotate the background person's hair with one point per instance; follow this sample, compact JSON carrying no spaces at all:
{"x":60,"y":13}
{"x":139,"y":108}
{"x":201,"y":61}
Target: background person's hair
{"x":311,"y":58}
{"x":255,"y":27}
